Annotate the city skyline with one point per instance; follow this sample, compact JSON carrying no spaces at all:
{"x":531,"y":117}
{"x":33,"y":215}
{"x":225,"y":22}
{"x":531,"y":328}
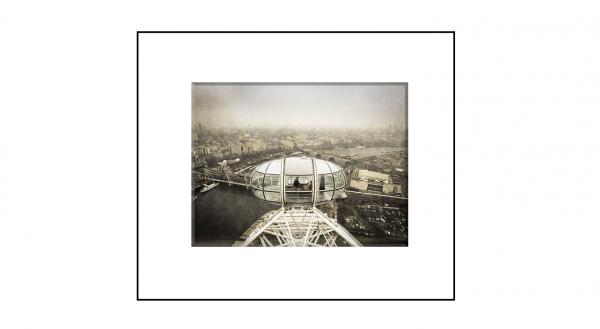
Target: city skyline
{"x":298,"y":106}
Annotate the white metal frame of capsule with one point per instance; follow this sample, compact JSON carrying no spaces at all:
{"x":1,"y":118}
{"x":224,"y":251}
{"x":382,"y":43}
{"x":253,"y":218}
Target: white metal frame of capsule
{"x":271,"y":180}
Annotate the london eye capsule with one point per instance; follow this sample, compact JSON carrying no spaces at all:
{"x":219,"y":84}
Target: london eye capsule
{"x":298,"y":180}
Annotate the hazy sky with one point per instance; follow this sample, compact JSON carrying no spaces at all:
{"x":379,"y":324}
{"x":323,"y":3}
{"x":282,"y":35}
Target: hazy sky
{"x":298,"y":106}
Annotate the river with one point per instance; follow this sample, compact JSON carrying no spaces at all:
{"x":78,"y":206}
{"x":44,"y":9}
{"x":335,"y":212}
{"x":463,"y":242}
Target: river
{"x":361,"y":152}
{"x":222,"y":214}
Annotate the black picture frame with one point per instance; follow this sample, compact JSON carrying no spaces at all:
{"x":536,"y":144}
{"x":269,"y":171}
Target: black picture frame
{"x":303,"y":299}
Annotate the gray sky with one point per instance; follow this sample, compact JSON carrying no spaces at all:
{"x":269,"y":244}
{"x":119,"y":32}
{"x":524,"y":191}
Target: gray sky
{"x":298,"y":106}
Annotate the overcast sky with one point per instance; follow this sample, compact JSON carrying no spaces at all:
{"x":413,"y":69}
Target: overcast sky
{"x":298,"y":106}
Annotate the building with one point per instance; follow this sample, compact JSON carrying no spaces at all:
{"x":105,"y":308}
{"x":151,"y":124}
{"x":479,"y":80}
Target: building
{"x":388,"y":188}
{"x":373,"y":176}
{"x":366,"y":180}
{"x":204,"y":150}
{"x":235,"y":149}
{"x":397,"y":189}
{"x":272,"y":145}
{"x":360,"y":185}
{"x":287,"y":145}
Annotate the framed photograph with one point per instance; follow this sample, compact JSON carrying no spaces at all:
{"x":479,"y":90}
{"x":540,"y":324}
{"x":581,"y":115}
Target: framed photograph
{"x":253,"y":140}
{"x":299,"y":164}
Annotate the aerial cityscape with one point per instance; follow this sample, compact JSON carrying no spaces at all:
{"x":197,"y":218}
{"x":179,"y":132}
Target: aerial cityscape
{"x":299,"y":165}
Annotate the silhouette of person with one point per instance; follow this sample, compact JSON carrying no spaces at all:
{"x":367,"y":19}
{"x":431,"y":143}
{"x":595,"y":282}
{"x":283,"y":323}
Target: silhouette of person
{"x":296,"y":183}
{"x":322,"y":183}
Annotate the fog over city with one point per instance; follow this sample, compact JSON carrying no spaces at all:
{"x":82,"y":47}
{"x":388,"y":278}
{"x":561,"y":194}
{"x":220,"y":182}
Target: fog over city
{"x":298,"y":106}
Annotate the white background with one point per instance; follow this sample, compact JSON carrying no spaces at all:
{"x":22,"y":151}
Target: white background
{"x":171,"y":268}
{"x":527,"y":159}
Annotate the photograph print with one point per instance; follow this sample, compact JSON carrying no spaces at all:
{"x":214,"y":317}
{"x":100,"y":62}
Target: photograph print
{"x":299,"y":164}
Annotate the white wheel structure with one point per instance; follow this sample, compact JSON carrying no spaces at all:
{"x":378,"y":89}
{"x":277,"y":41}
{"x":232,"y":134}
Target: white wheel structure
{"x":298,"y":185}
{"x":296,"y":227}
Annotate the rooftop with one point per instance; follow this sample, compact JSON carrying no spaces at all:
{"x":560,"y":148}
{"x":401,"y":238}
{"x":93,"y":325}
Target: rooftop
{"x":367,"y":174}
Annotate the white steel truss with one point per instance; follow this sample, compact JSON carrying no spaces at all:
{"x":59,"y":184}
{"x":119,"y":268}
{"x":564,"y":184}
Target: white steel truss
{"x":299,"y":226}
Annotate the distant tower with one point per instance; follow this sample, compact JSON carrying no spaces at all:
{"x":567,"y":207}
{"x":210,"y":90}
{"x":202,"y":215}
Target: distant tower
{"x":298,"y":184}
